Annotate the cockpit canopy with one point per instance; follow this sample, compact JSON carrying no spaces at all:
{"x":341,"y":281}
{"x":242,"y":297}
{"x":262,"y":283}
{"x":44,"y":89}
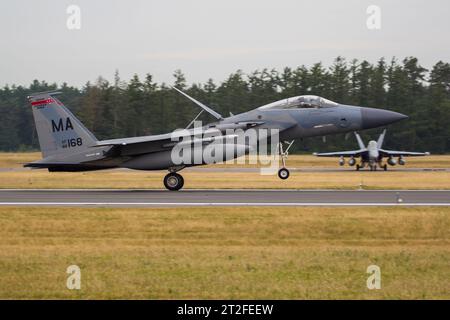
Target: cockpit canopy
{"x":299,"y":102}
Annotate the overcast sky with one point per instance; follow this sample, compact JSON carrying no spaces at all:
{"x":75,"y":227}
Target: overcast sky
{"x":209,"y":38}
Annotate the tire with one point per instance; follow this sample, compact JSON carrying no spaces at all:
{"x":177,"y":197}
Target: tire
{"x":357,"y":167}
{"x":283,"y":173}
{"x":173,"y":181}
{"x":385,"y":167}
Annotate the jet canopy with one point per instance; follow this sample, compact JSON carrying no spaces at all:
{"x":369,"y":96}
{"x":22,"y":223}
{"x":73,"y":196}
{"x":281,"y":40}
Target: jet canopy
{"x":299,"y":102}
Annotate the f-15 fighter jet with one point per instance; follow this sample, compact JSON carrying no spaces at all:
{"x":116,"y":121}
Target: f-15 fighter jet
{"x":67,"y":145}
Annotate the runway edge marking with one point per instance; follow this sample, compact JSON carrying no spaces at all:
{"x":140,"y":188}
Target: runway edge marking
{"x":224,"y":204}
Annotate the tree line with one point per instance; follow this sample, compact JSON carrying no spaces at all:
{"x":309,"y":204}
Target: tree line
{"x":144,"y":107}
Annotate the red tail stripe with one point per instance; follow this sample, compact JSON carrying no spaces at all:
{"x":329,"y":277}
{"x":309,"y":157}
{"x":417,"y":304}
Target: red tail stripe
{"x":40,"y":102}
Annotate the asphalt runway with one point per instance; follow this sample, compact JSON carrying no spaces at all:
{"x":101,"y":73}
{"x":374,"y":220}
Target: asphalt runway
{"x":244,"y":197}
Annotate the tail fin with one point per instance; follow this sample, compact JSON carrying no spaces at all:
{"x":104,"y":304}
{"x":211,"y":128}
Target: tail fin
{"x":381,"y":139}
{"x":59,"y":131}
{"x":360,"y":142}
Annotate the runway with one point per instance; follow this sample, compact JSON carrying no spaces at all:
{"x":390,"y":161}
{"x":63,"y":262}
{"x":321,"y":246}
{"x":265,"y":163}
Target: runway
{"x":260,"y":197}
{"x":257,"y":169}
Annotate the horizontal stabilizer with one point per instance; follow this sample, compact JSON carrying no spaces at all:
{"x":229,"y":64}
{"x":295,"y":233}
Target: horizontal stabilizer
{"x":44,"y":165}
{"x":66,"y":166}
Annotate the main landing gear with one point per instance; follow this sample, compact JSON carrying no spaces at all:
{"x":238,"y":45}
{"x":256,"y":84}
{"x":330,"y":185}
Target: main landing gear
{"x":283,"y":173}
{"x":174,"y":181}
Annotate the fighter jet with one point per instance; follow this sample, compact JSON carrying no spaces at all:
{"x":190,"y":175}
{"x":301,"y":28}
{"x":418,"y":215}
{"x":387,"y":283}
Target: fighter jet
{"x":372,"y":155}
{"x":67,"y":145}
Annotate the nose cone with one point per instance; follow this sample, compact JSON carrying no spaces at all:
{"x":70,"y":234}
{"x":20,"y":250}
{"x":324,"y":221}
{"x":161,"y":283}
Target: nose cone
{"x":372,"y":118}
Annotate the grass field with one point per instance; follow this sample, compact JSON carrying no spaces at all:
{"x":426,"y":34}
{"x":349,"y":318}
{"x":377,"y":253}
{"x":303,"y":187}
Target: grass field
{"x":15,"y":160}
{"x":275,"y":253}
{"x":228,"y":180}
{"x":207,"y":179}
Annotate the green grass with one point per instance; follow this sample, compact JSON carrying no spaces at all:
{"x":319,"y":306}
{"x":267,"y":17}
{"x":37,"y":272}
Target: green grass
{"x":270,"y":253}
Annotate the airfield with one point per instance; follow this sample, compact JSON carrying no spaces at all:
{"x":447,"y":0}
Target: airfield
{"x":231,"y":233}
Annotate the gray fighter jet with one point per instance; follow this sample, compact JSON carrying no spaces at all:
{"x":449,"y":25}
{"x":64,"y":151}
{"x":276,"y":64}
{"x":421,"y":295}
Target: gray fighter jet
{"x":67,"y":145}
{"x":372,"y":155}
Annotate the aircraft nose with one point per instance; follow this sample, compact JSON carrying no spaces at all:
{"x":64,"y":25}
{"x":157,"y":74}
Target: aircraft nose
{"x":372,"y":118}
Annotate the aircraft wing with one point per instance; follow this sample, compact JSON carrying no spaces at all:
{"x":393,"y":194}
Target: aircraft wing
{"x":388,"y":153}
{"x":353,"y":153}
{"x":155,"y":143}
{"x":137,"y":145}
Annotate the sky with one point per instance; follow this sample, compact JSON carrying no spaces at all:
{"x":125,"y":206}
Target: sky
{"x":209,"y":38}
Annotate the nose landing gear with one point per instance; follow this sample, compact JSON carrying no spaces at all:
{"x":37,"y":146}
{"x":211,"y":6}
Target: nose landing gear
{"x":283,"y":173}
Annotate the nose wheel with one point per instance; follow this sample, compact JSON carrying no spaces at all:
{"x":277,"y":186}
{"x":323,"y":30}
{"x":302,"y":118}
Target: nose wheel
{"x":173,"y":181}
{"x":283,"y":173}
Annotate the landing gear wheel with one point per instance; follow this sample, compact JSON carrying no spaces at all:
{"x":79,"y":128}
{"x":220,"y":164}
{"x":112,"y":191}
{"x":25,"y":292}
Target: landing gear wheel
{"x":385,"y":167}
{"x":283,"y":173}
{"x":358,"y":167}
{"x":173,"y":181}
